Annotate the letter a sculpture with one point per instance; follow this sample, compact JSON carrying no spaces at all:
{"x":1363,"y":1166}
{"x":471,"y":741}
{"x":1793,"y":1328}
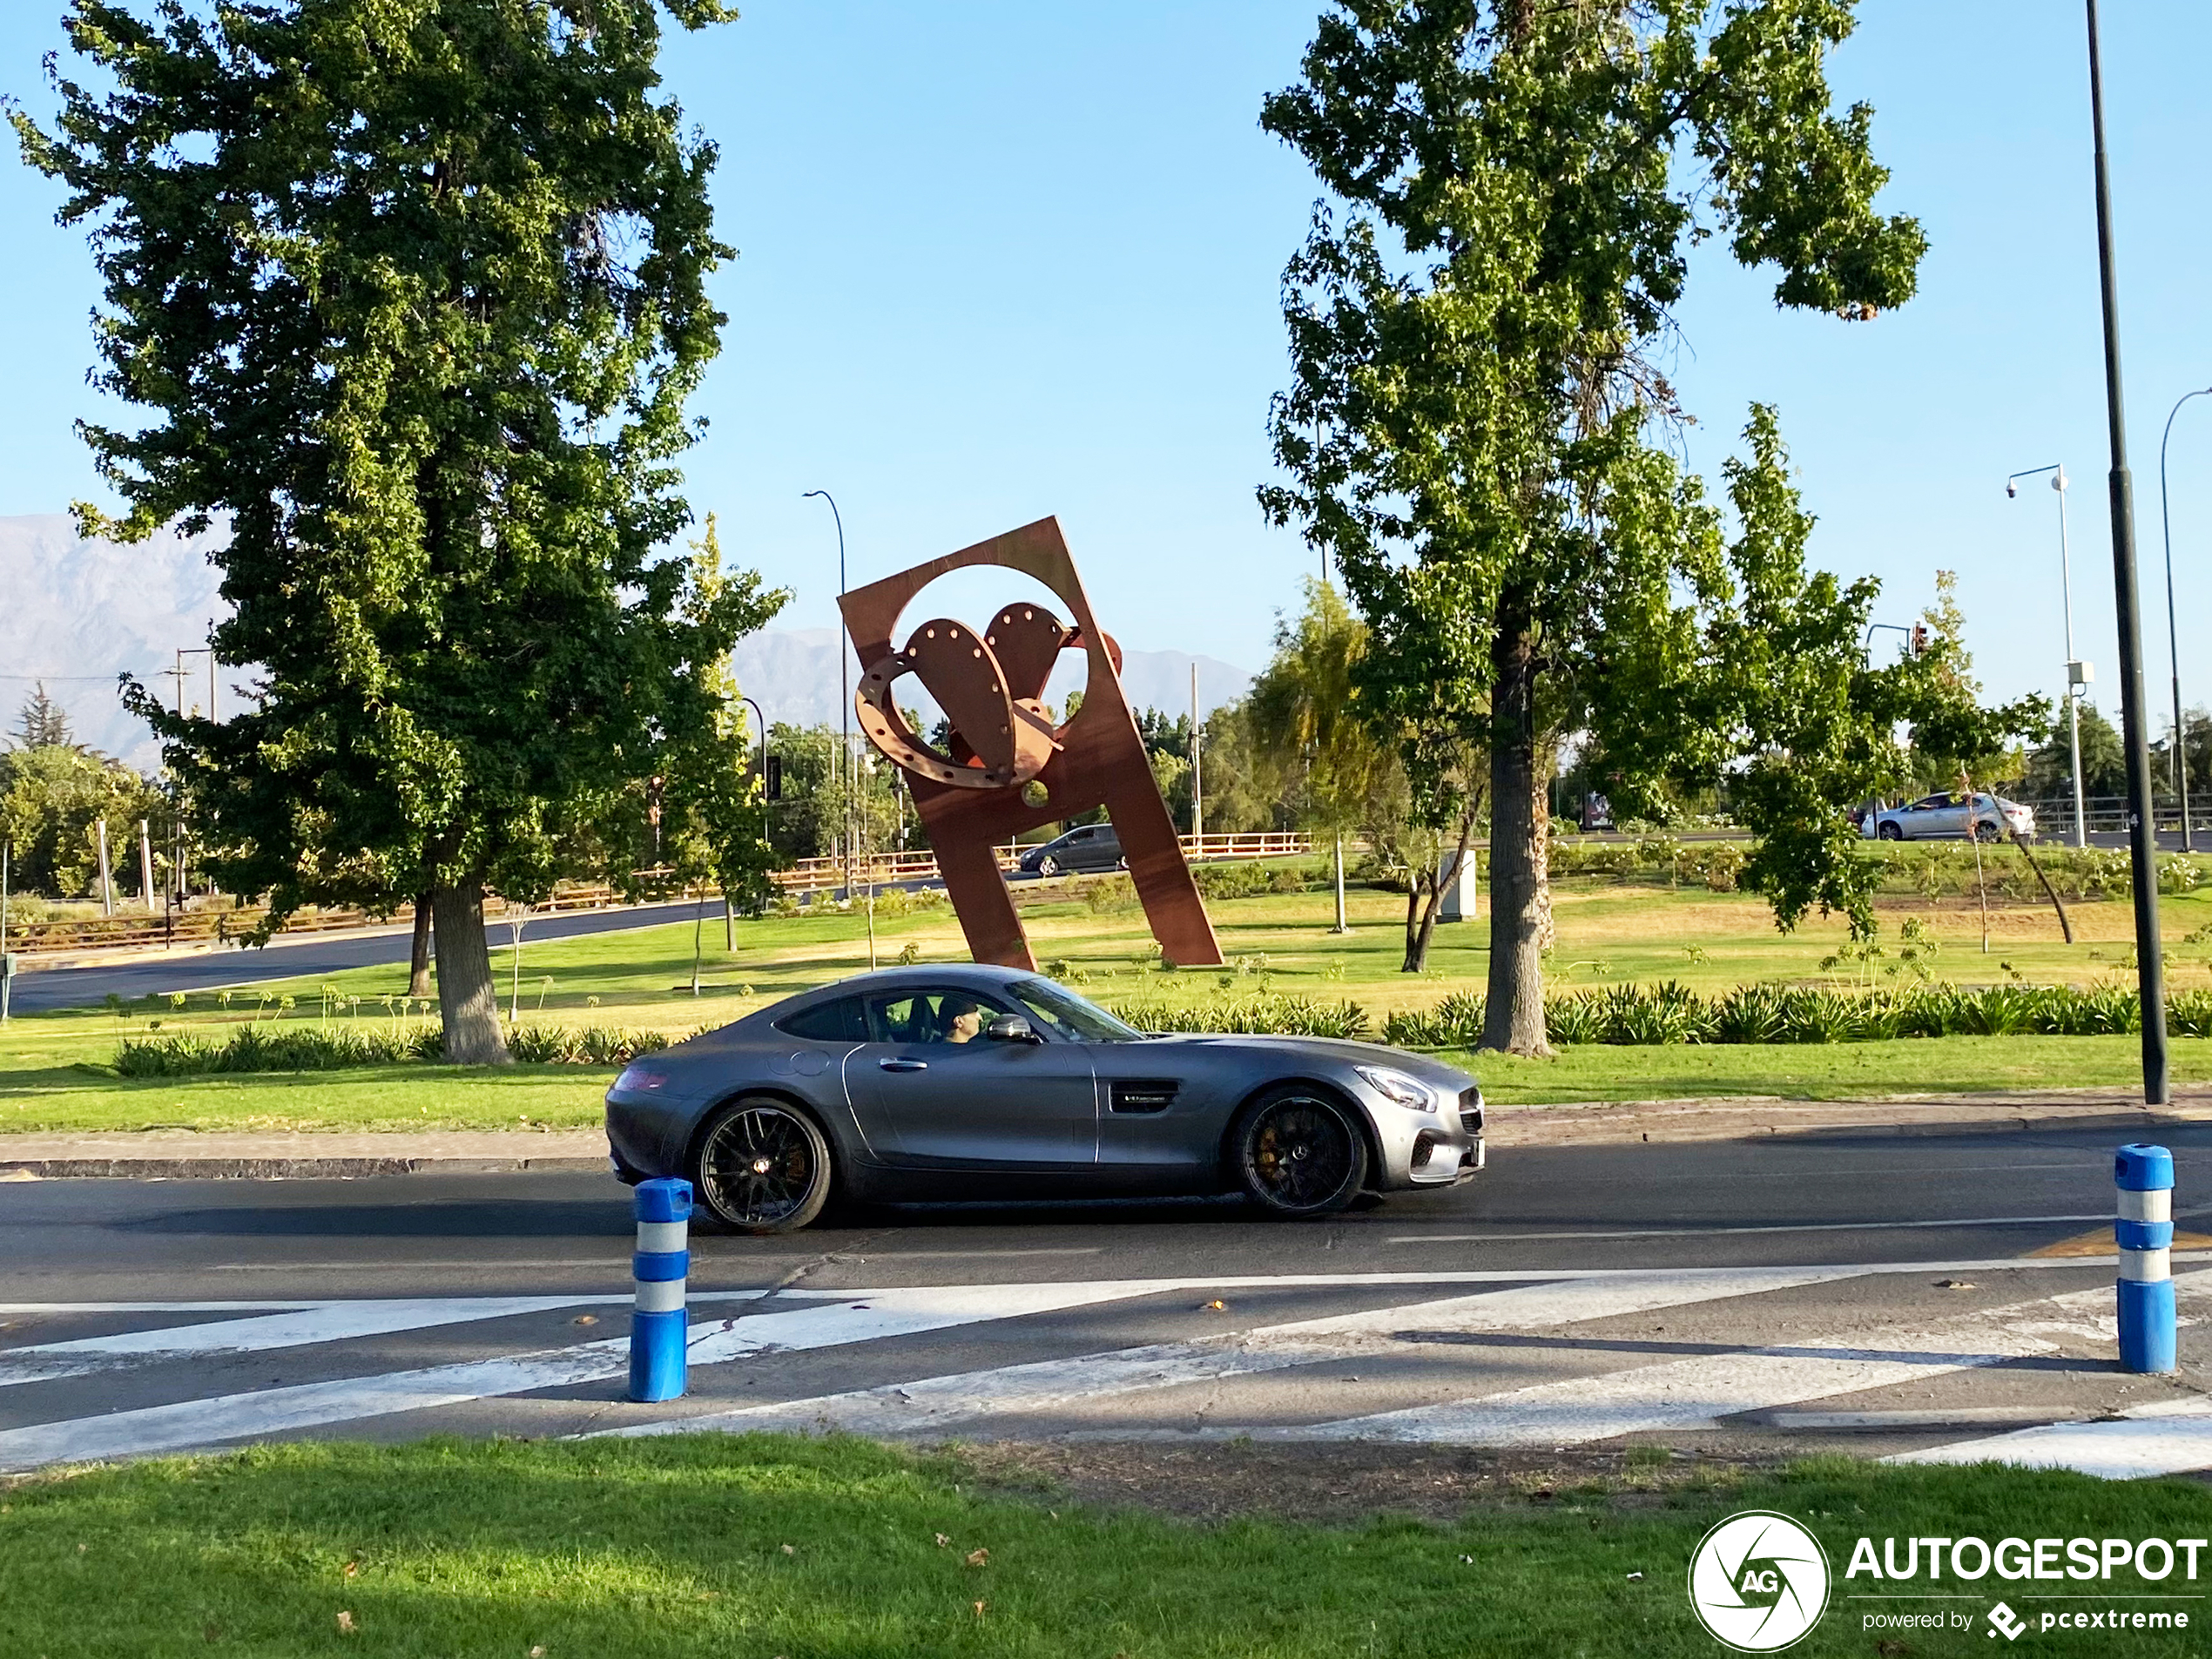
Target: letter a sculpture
{"x":1009,"y":768}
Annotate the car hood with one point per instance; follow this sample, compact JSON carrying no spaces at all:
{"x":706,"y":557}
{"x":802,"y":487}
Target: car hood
{"x":1341,"y":1052}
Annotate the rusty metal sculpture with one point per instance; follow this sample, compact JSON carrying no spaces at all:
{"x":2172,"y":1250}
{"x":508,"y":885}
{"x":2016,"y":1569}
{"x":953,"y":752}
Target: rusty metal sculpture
{"x":1010,"y":768}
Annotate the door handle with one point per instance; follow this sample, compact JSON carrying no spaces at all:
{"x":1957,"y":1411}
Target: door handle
{"x":904,"y":1065}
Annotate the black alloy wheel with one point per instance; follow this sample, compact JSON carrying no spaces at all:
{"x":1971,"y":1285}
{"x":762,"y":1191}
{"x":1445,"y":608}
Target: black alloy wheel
{"x":1299,"y":1154}
{"x":762,"y":1168}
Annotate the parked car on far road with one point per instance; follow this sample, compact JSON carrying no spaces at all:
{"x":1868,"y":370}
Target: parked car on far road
{"x":1944,"y":816}
{"x":1088,"y":846}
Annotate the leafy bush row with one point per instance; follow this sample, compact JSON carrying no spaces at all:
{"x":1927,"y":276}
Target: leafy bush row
{"x":1268,"y":1014}
{"x":256,"y":1047}
{"x":1636,"y":1015}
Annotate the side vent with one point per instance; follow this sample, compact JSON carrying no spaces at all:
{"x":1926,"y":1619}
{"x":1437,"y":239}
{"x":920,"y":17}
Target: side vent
{"x":1150,"y":1095}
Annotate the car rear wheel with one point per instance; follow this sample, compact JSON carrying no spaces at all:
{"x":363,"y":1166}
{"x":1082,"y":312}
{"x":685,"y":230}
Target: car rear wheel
{"x":1890,"y":832}
{"x":1988,"y":831}
{"x":763,"y":1167}
{"x":1298,"y":1153}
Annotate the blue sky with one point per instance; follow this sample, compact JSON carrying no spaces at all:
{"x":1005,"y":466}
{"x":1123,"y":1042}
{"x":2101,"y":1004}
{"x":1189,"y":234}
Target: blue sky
{"x":1002,"y":260}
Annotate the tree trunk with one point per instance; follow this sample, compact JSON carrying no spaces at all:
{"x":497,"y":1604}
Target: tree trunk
{"x":1540,"y":854}
{"x":467,"y":1001}
{"x":418,"y":961}
{"x":1519,"y":891}
{"x":1419,"y":936}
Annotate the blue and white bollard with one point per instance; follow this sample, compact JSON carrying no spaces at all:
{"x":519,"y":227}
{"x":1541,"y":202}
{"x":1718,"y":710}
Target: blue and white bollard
{"x":2145,"y":1233}
{"x":657,"y":1327}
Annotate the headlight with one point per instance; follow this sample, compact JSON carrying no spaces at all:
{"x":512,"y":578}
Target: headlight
{"x":1409,"y":1092}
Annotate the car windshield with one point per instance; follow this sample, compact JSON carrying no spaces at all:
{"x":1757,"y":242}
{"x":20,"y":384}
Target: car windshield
{"x":1066,"y":1014}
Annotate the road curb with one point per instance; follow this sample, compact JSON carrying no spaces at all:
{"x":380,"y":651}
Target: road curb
{"x":218,"y":1168}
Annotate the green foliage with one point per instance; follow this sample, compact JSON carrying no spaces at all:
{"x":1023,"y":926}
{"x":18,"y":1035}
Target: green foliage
{"x":255,"y":1049}
{"x":1633,"y":1015}
{"x":1474,"y":433}
{"x":1266,"y":1014}
{"x":2049,"y":775}
{"x":52,"y":800}
{"x":414,"y":295}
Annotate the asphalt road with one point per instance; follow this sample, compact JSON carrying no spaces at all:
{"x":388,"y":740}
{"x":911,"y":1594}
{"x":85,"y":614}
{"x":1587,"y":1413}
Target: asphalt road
{"x":45,"y":988}
{"x":1575,"y":1295}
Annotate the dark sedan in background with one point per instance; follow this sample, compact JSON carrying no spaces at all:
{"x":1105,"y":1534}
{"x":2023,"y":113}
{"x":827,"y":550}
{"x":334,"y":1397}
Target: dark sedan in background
{"x":967,"y":1083}
{"x":1086,"y":847}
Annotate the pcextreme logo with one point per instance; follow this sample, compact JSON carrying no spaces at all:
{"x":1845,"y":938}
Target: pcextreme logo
{"x":1758,"y":1581}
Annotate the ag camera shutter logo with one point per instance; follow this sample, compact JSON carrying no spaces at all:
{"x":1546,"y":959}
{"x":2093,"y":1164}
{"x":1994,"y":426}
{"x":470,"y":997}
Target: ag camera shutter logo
{"x":1758,"y":1581}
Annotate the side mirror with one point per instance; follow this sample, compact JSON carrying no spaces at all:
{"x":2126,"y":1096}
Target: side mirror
{"x":1011,"y":1028}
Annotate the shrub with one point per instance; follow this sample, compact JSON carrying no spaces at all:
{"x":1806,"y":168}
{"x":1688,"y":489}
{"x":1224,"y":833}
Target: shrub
{"x":264,"y":1048}
{"x":1268,"y":1014}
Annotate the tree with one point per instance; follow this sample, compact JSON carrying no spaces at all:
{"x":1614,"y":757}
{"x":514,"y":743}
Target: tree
{"x":52,"y":800}
{"x":42,"y":723}
{"x":1308,"y":719}
{"x":1761,"y":678}
{"x":2104,"y":762}
{"x":1468,"y":431}
{"x":414,"y":291}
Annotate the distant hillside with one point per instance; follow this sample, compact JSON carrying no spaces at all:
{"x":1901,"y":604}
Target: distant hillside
{"x":78,"y":613}
{"x":793,"y":673}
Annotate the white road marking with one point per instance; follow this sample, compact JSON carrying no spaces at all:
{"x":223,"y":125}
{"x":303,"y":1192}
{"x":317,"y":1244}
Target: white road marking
{"x":332,"y":1322}
{"x":867,"y":1316}
{"x":934,"y":1403}
{"x":1693,"y":1393}
{"x":2172,"y":1438}
{"x":1724,"y":1232}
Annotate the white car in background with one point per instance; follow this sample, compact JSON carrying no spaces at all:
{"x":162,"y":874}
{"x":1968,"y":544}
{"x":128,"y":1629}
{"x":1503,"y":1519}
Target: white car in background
{"x":1944,"y":816}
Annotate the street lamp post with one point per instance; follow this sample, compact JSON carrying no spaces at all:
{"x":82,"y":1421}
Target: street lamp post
{"x":2142,"y":842}
{"x":2172,"y":633}
{"x":844,"y":693}
{"x":2076,"y":674}
{"x":729,"y":919}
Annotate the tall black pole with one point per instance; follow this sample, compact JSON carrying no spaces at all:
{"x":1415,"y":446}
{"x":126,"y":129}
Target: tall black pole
{"x":2142,"y":845}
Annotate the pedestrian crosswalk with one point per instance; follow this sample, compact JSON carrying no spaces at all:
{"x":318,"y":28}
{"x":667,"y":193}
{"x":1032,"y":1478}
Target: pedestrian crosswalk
{"x":1480,"y":1358}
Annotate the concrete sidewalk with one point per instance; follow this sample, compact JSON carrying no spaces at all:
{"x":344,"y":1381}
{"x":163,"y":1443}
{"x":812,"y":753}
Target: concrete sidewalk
{"x":170,"y":1154}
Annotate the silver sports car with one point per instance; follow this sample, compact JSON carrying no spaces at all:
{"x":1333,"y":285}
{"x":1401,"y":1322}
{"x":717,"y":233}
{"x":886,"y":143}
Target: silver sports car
{"x":973,"y":1082}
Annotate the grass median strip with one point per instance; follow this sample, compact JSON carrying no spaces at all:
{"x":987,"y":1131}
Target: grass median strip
{"x":766,"y":1544}
{"x":58,"y":1070}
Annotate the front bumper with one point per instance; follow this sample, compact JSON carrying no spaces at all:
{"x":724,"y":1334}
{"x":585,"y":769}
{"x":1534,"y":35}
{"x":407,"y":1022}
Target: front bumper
{"x":1438,"y":1149}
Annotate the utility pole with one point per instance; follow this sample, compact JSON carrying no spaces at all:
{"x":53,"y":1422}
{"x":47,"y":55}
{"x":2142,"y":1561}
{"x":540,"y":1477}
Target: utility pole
{"x":107,"y":887}
{"x":2142,"y":845}
{"x":145,"y":865}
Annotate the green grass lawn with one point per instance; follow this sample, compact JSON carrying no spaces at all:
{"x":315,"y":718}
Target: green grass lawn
{"x":723,"y":1545}
{"x":53,"y":1072}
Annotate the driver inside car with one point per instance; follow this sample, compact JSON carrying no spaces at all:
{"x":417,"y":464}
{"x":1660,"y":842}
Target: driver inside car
{"x":962,"y":1019}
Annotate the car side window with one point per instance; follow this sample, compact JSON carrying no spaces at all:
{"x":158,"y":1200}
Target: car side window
{"x":839,"y":1021}
{"x":930,"y":1016}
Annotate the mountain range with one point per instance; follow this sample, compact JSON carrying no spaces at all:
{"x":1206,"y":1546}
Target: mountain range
{"x":76,"y":613}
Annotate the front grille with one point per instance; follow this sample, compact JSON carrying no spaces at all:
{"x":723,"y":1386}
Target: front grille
{"x":1471,"y":1110}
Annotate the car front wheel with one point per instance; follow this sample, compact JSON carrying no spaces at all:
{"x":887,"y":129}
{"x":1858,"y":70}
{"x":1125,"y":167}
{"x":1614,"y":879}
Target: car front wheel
{"x":1047,"y":866}
{"x":1299,"y":1154}
{"x":763,"y":1167}
{"x":1890,"y":832}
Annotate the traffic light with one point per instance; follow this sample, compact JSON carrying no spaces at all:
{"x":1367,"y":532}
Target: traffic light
{"x":1919,"y":638}
{"x":775,"y":777}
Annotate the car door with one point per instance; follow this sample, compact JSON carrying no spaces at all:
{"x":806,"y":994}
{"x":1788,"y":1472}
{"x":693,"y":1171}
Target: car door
{"x":1164,"y":1107}
{"x":931,"y":1102}
{"x":1926,"y":817}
